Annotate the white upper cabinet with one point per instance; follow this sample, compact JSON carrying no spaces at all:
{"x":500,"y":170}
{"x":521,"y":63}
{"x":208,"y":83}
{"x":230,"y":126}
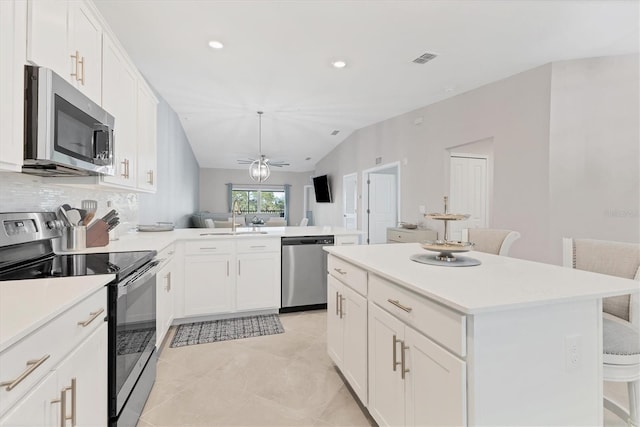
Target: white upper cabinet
{"x":72,"y":38}
{"x":147,"y":155}
{"x":13,"y":20}
{"x":119,"y":98}
{"x":66,"y":36}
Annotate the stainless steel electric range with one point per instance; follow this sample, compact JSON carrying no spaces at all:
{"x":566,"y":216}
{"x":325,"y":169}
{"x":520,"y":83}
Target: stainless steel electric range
{"x":26,"y":252}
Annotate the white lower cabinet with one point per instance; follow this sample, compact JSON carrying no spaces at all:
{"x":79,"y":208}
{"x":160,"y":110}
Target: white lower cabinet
{"x":227,"y":276}
{"x":73,"y":393}
{"x":347,"y":334}
{"x":165,"y":291}
{"x":257,"y":273}
{"x":207,"y":284}
{"x":412,"y":380}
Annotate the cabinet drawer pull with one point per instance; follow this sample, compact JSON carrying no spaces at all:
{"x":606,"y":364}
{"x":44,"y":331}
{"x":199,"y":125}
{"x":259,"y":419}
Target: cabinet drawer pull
{"x":32,"y":365}
{"x":395,"y":353}
{"x":258,"y":246}
{"x":170,"y":253}
{"x":400,"y":306}
{"x":92,"y":317}
{"x":404,"y":348}
{"x":347,"y":243}
{"x":339,"y":270}
{"x":208,"y":248}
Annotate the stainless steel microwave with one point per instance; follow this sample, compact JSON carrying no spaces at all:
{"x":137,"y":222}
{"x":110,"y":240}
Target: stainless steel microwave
{"x":66,"y":133}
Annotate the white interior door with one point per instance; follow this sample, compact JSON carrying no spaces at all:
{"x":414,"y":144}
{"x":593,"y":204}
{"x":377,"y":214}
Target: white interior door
{"x":382,"y":205}
{"x":350,"y":185}
{"x":467,"y":193}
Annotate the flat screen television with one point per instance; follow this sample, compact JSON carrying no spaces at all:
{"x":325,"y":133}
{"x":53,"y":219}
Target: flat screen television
{"x":322,"y":189}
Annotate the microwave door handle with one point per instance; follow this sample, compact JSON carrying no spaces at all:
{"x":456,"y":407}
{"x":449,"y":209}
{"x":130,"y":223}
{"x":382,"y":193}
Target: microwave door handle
{"x":100,"y":128}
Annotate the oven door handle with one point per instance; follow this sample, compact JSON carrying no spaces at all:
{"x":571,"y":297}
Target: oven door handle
{"x":150,"y":271}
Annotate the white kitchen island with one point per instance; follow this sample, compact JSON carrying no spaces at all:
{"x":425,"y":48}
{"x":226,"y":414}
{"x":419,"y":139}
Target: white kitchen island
{"x":508,"y":342}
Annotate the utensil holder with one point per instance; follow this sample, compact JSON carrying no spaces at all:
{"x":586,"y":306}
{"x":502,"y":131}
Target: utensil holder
{"x":74,"y":238}
{"x":98,"y":234}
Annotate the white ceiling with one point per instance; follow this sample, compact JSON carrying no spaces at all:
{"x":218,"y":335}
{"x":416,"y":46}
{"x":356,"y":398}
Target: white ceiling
{"x":277,"y":58}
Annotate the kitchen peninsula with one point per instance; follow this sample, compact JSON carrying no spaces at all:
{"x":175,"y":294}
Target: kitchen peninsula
{"x":508,"y":342}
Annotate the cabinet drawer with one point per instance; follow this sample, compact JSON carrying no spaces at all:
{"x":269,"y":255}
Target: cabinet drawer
{"x":349,"y":274}
{"x":208,"y":247}
{"x":258,"y":245}
{"x":346,"y":240}
{"x":444,"y":326}
{"x":408,"y":236}
{"x":49,"y":345}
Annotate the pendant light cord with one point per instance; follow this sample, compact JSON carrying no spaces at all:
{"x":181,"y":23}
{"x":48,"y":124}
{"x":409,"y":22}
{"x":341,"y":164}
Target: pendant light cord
{"x":260,"y":133}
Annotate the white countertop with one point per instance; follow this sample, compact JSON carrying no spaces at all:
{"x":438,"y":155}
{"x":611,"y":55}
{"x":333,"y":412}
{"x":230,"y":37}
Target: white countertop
{"x":139,"y":241}
{"x":25,"y":305}
{"x":499,"y":283}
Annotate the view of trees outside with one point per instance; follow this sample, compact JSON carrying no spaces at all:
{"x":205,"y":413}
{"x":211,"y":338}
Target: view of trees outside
{"x":259,"y":201}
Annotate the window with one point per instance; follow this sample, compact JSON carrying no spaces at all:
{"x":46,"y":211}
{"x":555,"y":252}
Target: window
{"x":260,"y":201}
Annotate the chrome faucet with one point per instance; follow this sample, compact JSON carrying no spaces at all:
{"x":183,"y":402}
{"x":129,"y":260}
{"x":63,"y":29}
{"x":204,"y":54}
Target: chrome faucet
{"x":235,"y":209}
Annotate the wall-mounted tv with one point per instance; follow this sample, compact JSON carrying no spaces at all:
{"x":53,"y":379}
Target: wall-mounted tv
{"x":322,"y":189}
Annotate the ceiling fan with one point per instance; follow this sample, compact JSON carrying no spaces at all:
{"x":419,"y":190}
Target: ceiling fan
{"x":259,"y":168}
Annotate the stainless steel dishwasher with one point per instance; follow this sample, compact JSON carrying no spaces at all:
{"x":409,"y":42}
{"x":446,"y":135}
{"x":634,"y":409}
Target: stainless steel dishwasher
{"x":304,"y":272}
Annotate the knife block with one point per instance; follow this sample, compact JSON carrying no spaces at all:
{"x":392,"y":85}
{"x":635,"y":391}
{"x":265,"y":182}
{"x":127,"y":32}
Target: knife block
{"x":98,"y":234}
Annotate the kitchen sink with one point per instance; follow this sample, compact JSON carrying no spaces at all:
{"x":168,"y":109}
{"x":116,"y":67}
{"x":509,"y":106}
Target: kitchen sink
{"x":237,"y":233}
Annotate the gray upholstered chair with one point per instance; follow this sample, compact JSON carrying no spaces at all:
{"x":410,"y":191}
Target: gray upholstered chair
{"x":489,"y":240}
{"x":621,"y":315}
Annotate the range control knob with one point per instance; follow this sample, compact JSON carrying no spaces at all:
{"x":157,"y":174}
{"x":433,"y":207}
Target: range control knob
{"x":55,"y":224}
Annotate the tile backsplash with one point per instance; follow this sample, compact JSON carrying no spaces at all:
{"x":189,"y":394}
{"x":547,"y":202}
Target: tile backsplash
{"x":28,"y":193}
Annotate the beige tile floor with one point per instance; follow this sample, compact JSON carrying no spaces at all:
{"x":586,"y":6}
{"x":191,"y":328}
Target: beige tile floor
{"x":276,"y":380}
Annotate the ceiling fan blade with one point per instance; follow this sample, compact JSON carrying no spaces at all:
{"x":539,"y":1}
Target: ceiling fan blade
{"x":279,"y":164}
{"x":245,"y":161}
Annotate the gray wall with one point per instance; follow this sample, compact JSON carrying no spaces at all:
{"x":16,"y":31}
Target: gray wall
{"x":213,"y":188}
{"x":517,"y":120}
{"x":595,"y":149}
{"x":178,"y":176}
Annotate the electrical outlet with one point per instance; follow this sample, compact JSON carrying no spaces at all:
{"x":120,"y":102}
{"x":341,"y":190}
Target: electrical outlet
{"x":572,"y":351}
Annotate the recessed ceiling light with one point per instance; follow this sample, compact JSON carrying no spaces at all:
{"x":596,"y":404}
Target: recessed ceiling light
{"x":339,"y":64}
{"x":215,"y":44}
{"x":308,"y":158}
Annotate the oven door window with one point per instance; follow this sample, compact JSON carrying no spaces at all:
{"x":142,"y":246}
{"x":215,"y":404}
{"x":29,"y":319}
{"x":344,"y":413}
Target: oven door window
{"x":75,"y":131}
{"x":135,"y":332}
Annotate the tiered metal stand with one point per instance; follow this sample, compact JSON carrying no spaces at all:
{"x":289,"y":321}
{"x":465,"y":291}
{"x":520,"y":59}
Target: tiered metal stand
{"x":446,"y":248}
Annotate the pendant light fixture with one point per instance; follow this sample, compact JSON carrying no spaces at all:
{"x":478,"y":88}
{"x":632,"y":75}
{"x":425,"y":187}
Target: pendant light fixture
{"x":259,"y":169}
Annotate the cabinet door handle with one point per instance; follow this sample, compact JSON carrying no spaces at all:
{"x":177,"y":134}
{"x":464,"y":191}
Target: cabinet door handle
{"x":32,"y":365}
{"x":150,"y":180}
{"x":337,"y":303}
{"x":63,"y":404}
{"x":341,"y":306}
{"x":238,"y":267}
{"x":92,"y":317}
{"x":81,"y":61}
{"x":125,"y":167}
{"x":339,"y":270}
{"x":404,"y":348}
{"x":400,"y":306}
{"x":76,"y":57}
{"x":227,"y":268}
{"x":168,"y":277}
{"x":395,"y":353}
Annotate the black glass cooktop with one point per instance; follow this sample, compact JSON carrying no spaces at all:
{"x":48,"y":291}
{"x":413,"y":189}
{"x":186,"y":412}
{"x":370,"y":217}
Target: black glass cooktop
{"x":119,"y":263}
